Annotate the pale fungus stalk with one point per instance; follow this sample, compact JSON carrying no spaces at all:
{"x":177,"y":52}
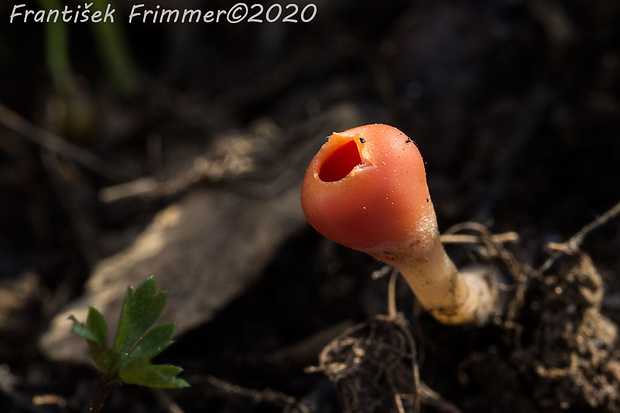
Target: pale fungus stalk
{"x":366,"y":189}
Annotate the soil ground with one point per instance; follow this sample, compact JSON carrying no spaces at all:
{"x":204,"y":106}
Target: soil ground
{"x":515,"y":106}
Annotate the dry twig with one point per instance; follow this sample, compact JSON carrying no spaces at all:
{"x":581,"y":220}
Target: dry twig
{"x":572,"y":245}
{"x":58,"y":145}
{"x":266,"y":395}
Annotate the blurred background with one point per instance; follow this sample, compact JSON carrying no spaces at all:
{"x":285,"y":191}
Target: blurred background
{"x":177,"y":150}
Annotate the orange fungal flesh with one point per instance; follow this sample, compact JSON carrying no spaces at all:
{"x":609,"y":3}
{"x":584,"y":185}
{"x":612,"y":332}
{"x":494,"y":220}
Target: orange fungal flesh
{"x":340,"y":163}
{"x":366,"y":189}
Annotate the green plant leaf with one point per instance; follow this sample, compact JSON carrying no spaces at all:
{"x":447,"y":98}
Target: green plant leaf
{"x":57,"y":48}
{"x":95,"y":329}
{"x":141,"y":372}
{"x":153,"y":342}
{"x":136,"y":343}
{"x":96,"y":334}
{"x":140,"y":310}
{"x":107,"y":359}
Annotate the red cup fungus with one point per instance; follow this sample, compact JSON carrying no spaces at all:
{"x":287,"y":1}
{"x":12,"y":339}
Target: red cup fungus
{"x":366,"y":189}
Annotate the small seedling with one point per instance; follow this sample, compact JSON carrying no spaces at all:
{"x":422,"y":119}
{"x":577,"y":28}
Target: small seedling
{"x":137,"y":342}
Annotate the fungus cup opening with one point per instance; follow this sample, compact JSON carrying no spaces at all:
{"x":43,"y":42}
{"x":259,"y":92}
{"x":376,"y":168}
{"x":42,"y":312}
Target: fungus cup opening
{"x":340,"y":162}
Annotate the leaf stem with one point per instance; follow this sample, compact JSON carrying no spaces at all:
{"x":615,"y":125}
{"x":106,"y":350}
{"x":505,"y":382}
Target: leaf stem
{"x":107,"y":382}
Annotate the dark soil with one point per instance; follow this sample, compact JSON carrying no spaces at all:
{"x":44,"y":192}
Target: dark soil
{"x":515,"y":106}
